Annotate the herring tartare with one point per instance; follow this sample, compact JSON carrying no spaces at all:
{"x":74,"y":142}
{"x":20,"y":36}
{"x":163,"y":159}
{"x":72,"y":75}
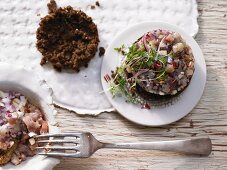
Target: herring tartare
{"x":158,"y":65}
{"x":19,"y":121}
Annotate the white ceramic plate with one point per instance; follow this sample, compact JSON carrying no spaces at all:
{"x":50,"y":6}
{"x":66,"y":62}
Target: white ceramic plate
{"x":155,"y":116}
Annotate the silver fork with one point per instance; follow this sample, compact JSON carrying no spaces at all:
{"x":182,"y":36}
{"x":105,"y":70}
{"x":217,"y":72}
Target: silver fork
{"x":85,"y":145}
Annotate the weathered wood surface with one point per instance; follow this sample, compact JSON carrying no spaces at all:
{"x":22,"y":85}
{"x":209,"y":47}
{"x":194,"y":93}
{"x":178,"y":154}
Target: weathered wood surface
{"x":209,"y":118}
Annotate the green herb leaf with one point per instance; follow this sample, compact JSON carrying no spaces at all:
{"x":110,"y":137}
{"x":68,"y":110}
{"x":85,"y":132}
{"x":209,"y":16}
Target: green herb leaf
{"x":121,"y":49}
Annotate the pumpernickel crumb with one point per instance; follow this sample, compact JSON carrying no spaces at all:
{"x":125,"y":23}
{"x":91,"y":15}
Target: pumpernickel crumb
{"x":52,"y":6}
{"x":92,"y":6}
{"x":67,"y":38}
{"x":101,"y":51}
{"x":97,"y":3}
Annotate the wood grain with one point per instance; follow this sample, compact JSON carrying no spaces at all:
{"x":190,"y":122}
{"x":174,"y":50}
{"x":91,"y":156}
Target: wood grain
{"x":209,"y":118}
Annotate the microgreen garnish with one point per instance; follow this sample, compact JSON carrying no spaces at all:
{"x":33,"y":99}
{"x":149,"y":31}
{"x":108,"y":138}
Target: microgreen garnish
{"x":140,"y":61}
{"x":135,"y":60}
{"x":121,"y":49}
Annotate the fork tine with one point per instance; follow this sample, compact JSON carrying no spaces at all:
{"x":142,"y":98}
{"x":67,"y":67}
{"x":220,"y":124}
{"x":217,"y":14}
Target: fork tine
{"x":57,"y":141}
{"x":78,"y":135}
{"x":58,"y":148}
{"x":58,"y":154}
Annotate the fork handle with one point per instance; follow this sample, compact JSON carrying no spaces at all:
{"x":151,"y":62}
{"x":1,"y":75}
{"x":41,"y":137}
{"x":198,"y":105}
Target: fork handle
{"x":198,"y":146}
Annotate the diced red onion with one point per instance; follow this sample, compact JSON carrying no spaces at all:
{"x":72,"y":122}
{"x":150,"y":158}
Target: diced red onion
{"x":146,"y":46}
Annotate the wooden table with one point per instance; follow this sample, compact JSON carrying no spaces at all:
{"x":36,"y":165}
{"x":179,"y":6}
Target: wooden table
{"x":209,"y":118}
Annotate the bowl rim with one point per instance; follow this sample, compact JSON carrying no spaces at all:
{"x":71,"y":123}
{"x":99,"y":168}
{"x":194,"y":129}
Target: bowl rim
{"x":36,"y":90}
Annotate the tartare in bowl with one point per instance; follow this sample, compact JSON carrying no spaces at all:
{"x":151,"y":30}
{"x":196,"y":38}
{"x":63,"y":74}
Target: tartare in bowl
{"x":19,"y":121}
{"x":26,"y":109}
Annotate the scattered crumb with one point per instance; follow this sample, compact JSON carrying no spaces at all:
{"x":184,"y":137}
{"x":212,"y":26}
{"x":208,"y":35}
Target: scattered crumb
{"x":38,"y":15}
{"x":85,"y":76}
{"x":146,"y":106}
{"x":70,"y":44}
{"x":191,"y":124}
{"x":97,"y":3}
{"x":113,"y":75}
{"x":92,"y":6}
{"x":224,"y":15}
{"x":101,"y":51}
{"x":52,"y":6}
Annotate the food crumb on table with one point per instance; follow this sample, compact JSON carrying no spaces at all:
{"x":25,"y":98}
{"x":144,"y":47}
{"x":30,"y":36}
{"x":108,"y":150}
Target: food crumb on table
{"x":97,"y":3}
{"x":101,"y":51}
{"x":92,"y":6}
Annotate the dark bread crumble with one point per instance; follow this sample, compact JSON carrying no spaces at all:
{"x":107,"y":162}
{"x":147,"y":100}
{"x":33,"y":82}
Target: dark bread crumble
{"x":92,"y":6}
{"x":52,"y":6}
{"x":97,"y":3}
{"x":67,"y":38}
{"x":101,"y":51}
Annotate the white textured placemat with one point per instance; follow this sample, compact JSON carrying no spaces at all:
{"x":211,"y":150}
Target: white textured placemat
{"x":80,"y":91}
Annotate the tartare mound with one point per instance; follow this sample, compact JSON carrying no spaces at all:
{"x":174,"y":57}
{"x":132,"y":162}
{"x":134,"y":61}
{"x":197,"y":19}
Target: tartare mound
{"x":174,"y":67}
{"x":158,"y":65}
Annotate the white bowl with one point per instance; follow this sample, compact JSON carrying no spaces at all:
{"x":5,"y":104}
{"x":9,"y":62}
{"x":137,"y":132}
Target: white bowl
{"x":38,"y":93}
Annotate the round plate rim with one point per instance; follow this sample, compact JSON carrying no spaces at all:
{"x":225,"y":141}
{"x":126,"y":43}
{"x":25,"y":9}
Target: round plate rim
{"x":161,"y":25}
